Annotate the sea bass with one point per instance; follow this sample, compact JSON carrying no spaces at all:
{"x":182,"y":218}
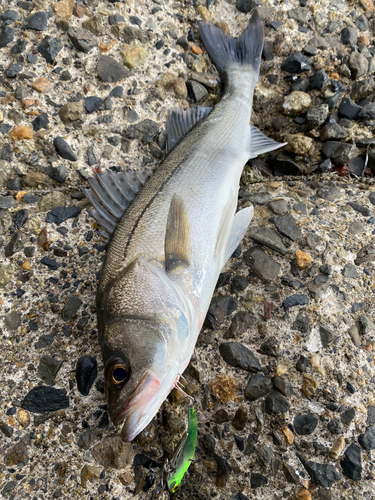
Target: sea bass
{"x":171,"y":237}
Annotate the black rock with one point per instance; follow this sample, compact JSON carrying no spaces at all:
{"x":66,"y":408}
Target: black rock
{"x":275,"y":25}
{"x":362,"y":23}
{"x":367,"y":439}
{"x":48,"y":368}
{"x":40,"y":122}
{"x":246,"y":6}
{"x":208,"y":444}
{"x":258,"y":386}
{"x":367,"y":112}
{"x":267,"y":53}
{"x":110,"y":70}
{"x":327,"y":336}
{"x":299,"y":85}
{"x":91,"y":158}
{"x":257,"y":480}
{"x":6,"y":36}
{"x":349,"y":36}
{"x":321,"y":474}
{"x":287,"y":226}
{"x":196,"y":90}
{"x":117,"y":92}
{"x":63,"y":149}
{"x":283,"y":386}
{"x":71,"y":307}
{"x":7,"y":430}
{"x":348,"y":109}
{"x":271,"y":347}
{"x":239,"y":356}
{"x":240,"y":442}
{"x":301,"y":323}
{"x":349,"y":271}
{"x":332,"y":132}
{"x":9,"y":15}
{"x":12,"y":321}
{"x":58,"y":174}
{"x":335,"y":427}
{"x":305,"y":424}
{"x":340,"y":153}
{"x":13,"y":70}
{"x":7,"y":202}
{"x":297,"y":63}
{"x":32,"y":58}
{"x":347,"y":416}
{"x":302,"y":364}
{"x":82,"y":40}
{"x":92,"y":103}
{"x":241,"y":322}
{"x":19,"y":47}
{"x":15,"y":244}
{"x":295,"y":300}
{"x":37,"y":21}
{"x":60,"y":214}
{"x":319,"y":80}
{"x":267,"y":237}
{"x":276,"y":404}
{"x":287,"y":280}
{"x":20,"y":217}
{"x":42,"y":399}
{"x":262,"y":265}
{"x":360,"y":208}
{"x":49,"y":48}
{"x":115,"y":140}
{"x":145,"y":131}
{"x":115,"y":19}
{"x":86,"y":372}
{"x":51,"y":263}
{"x":184,"y":43}
{"x":352,"y":463}
{"x":370,"y":415}
{"x":219,"y":309}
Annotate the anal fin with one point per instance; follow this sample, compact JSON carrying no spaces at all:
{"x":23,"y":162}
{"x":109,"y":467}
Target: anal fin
{"x":177,"y":236}
{"x":260,"y":143}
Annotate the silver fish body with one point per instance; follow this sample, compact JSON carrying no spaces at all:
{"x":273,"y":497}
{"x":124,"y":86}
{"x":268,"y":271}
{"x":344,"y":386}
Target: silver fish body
{"x":168,"y":249}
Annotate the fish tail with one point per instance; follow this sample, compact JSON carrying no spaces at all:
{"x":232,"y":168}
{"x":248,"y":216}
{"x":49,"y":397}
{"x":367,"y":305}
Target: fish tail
{"x":224,"y":49}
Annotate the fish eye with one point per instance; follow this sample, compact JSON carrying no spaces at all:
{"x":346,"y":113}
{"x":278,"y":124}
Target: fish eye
{"x":119,"y":374}
{"x":118,"y":371}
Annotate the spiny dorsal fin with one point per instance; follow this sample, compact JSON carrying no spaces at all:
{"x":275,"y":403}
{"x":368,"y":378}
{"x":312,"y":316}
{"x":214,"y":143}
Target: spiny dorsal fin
{"x":180,"y":121}
{"x":111,"y":194}
{"x":260,"y":143}
{"x":177,"y":236}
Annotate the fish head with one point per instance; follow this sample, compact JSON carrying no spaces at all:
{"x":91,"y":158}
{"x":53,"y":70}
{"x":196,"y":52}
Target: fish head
{"x":140,"y":370}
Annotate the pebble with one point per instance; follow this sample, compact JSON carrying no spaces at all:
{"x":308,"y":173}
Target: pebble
{"x":50,"y":263}
{"x":257,"y":480}
{"x":333,"y":131}
{"x":241,"y":322}
{"x":92,"y":103}
{"x":58,"y":174}
{"x":110,"y":70}
{"x":367,"y":439}
{"x":21,"y":133}
{"x":287,"y":226}
{"x":6,"y":36}
{"x":196,"y":91}
{"x":309,"y":385}
{"x":356,"y":227}
{"x":276,"y":404}
{"x":349,"y":36}
{"x":40,"y":122}
{"x":239,"y":356}
{"x":18,"y":454}
{"x":318,"y":80}
{"x":15,"y":244}
{"x":367,"y":112}
{"x":240,"y":418}
{"x":352,"y":463}
{"x":12,"y":321}
{"x":295,"y":300}
{"x":144,"y":131}
{"x":86,"y":372}
{"x":89,"y":473}
{"x":267,"y":237}
{"x":296,"y":102}
{"x":83,"y":40}
{"x":49,"y":48}
{"x":72,"y":111}
{"x":37,"y":21}
{"x":63,"y":149}
{"x":42,"y":85}
{"x":42,"y":399}
{"x":220,"y":308}
{"x":348,"y":109}
{"x":296,"y":63}
{"x":303,"y":259}
{"x":7,"y":430}
{"x":48,"y":368}
{"x":224,"y":387}
{"x":358,"y":65}
{"x":327,"y":336}
{"x":262,"y":265}
{"x":71,"y":307}
{"x":321,"y":474}
{"x":133,"y":57}
{"x":61,"y":214}
{"x":283,"y":386}
{"x":305,"y":424}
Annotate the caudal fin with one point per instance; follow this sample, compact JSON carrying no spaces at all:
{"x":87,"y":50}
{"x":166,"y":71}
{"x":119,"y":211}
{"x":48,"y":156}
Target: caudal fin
{"x":224,"y":49}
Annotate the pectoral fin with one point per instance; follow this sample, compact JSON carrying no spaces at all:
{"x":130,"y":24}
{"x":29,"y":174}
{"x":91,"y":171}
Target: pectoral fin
{"x":240,"y":224}
{"x":260,"y":143}
{"x":177,"y":236}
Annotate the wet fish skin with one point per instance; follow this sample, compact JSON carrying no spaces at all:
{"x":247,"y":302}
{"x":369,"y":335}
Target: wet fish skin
{"x":156,"y":284}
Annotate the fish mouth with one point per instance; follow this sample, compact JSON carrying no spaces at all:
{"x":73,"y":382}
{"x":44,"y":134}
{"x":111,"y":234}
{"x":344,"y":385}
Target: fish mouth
{"x":141,"y":408}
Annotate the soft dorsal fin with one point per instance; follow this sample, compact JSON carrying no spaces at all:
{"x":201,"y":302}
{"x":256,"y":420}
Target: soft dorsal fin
{"x":260,"y":143}
{"x":111,"y":194}
{"x":177,"y":236}
{"x":180,"y":121}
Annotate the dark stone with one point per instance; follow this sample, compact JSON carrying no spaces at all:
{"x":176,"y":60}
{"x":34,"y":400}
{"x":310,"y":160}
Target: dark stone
{"x":301,"y":323}
{"x":86,"y":372}
{"x":300,"y":85}
{"x":262,"y":265}
{"x":283,"y":386}
{"x":258,"y":386}
{"x":51,"y":263}
{"x":219,"y":309}
{"x":49,"y":48}
{"x":241,"y":322}
{"x":63,"y":149}
{"x":32,"y":58}
{"x":115,"y":19}
{"x":267,"y":237}
{"x":92,"y":103}
{"x":335,"y":427}
{"x":348,"y":109}
{"x":239,"y":356}
{"x":348,"y":416}
{"x":276,"y":404}
{"x":37,"y":21}
{"x":302,"y":364}
{"x":321,"y":474}
{"x":40,"y":122}
{"x":208,"y":444}
{"x":48,"y":368}
{"x":360,"y":208}
{"x":271,"y":347}
{"x":349,"y":36}
{"x":7,"y":430}
{"x":357,"y":166}
{"x":91,"y":158}
{"x":240,"y":418}
{"x":145,"y":131}
{"x":6,"y":153}
{"x":114,"y":140}
{"x":9,"y":15}
{"x":82,"y":40}
{"x":275,"y":25}
{"x":87,"y":438}
{"x":58,"y":174}
{"x":71,"y":307}
{"x":44,"y":341}
{"x":20,"y":217}
{"x":6,"y":36}
{"x":246,"y":6}
{"x":352,"y":463}
{"x":267,"y":53}
{"x":327,"y":336}
{"x":340,"y":153}
{"x":349,"y":271}
{"x":196,"y":91}
{"x":110,"y":70}
{"x":13,"y":70}
{"x":305,"y":424}
{"x":333,"y":131}
{"x":117,"y":92}
{"x":281,"y":166}
{"x":61,"y":214}
{"x":257,"y":480}
{"x":367,"y":439}
{"x":224,"y":279}
{"x":319,"y":80}
{"x":240,"y":442}
{"x":287,"y":226}
{"x":12,"y":321}
{"x":295,"y":300}
{"x":367,"y":112}
{"x":362,"y":23}
{"x":297,"y":63}
{"x":15,"y":244}
{"x":239,"y":283}
{"x":370,"y":415}
{"x":184,"y":43}
{"x":287,"y":280}
{"x":42,"y":399}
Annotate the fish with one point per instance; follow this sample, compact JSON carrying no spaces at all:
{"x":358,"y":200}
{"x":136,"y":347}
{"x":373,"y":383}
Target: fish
{"x":171,"y":235}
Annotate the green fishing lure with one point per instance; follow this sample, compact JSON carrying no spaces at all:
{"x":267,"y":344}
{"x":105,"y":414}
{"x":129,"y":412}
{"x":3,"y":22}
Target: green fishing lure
{"x":183,"y":454}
